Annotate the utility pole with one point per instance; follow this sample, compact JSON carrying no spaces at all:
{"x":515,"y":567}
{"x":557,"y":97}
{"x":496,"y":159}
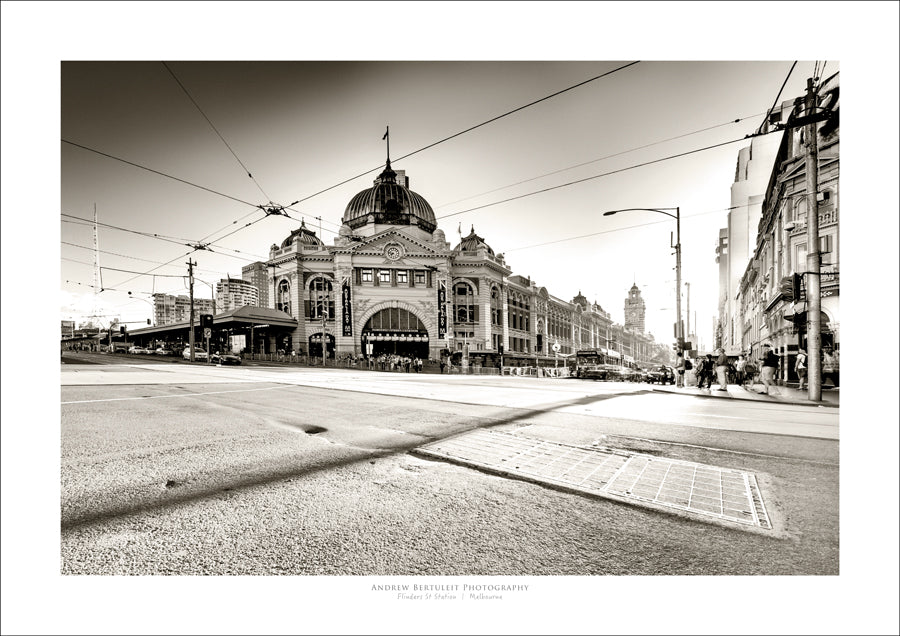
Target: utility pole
{"x":190,"y":265}
{"x":813,"y":282}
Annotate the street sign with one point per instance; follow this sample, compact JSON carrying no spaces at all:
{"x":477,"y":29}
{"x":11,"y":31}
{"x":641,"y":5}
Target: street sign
{"x":556,"y":347}
{"x":207,"y":333}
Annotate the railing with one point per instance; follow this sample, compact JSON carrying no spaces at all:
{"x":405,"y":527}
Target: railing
{"x":537,"y":372}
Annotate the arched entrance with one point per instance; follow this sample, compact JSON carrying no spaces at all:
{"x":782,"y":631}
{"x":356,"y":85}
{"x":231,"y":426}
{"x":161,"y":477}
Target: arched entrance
{"x":395,"y":330}
{"x":827,"y":335}
{"x":315,"y":345}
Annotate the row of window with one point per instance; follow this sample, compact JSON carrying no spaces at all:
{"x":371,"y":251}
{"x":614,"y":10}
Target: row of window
{"x":392,"y":277}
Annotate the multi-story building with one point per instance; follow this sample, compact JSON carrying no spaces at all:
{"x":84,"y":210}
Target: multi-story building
{"x":257,"y":274}
{"x":737,"y":242}
{"x":234,"y":293}
{"x":169,"y":309}
{"x":392,"y":283}
{"x":767,"y":312}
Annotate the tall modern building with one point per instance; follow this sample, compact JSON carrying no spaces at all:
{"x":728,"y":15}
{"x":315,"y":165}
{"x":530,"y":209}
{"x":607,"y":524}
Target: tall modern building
{"x":635,"y":310}
{"x":169,"y":309}
{"x":234,"y":293}
{"x":737,"y":242}
{"x":257,"y":274}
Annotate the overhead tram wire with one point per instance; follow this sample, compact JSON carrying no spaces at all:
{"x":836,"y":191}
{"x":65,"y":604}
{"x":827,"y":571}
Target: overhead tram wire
{"x":777,"y":97}
{"x":136,"y":165}
{"x":162,"y":174}
{"x":623,"y":152}
{"x":169,"y":239}
{"x":255,"y":206}
{"x":596,"y":176}
{"x":462,"y":132}
{"x":622,"y":229}
{"x":227,"y":145}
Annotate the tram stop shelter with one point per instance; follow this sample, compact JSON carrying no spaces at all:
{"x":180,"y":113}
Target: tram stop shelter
{"x":260,"y":327}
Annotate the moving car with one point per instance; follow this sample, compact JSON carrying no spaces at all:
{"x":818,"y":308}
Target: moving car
{"x":661,"y":374}
{"x":226,"y":358}
{"x":592,"y":372}
{"x":138,"y":350}
{"x":199,"y":354}
{"x":162,"y":351}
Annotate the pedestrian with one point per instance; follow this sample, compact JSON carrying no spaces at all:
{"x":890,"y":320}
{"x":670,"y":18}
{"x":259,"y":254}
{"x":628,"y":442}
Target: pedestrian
{"x":679,"y":370}
{"x":722,"y":370}
{"x":701,"y":371}
{"x":769,"y":365}
{"x":800,"y":367}
{"x":830,"y":366}
{"x":740,"y":368}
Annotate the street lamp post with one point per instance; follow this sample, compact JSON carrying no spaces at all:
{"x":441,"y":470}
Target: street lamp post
{"x":679,"y":335}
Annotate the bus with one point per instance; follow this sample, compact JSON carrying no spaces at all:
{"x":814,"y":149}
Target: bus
{"x":589,"y":364}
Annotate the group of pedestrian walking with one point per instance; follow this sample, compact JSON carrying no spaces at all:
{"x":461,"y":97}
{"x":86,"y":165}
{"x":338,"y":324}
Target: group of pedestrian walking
{"x":718,"y":369}
{"x":396,"y":363}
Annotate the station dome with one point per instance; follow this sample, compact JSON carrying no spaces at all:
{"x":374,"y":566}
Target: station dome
{"x":472,"y":243}
{"x":390,"y":203}
{"x":304,"y":236}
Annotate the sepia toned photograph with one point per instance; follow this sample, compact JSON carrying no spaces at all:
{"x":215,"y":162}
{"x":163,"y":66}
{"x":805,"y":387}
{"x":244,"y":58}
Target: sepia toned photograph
{"x":449,"y":338}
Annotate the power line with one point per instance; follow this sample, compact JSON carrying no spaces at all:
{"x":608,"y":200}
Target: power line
{"x":622,"y":229}
{"x":193,"y":101}
{"x":777,"y":97}
{"x":163,"y":174}
{"x":161,"y":237}
{"x":484,"y":123}
{"x":596,"y":176}
{"x":655,"y":143}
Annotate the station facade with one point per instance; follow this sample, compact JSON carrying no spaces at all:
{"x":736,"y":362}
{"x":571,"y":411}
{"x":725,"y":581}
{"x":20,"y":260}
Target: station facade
{"x":392,"y":284}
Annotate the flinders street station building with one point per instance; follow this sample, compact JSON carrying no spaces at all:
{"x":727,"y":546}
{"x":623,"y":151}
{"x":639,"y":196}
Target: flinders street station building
{"x":392,"y":283}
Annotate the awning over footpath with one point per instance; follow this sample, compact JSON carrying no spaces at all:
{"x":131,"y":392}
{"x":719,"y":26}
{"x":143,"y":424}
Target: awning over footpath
{"x":246,"y":316}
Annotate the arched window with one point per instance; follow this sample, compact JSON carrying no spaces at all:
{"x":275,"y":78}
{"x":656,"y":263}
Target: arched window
{"x":321,"y":300}
{"x":496,"y":307}
{"x":464,"y":303}
{"x":284,"y":296}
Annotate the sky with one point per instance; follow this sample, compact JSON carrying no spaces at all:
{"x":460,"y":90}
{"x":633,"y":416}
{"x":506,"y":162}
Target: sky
{"x":93,"y":74}
{"x":304,"y":129}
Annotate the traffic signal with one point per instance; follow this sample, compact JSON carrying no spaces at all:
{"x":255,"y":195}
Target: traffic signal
{"x":148,"y":321}
{"x":500,"y":349}
{"x":796,"y":284}
{"x":122,"y":328}
{"x":206,"y":320}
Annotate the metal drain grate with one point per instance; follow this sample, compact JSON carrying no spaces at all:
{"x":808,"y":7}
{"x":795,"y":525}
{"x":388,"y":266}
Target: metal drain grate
{"x":701,"y":489}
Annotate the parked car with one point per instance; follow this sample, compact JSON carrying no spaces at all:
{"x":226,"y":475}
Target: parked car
{"x":162,"y":351}
{"x":226,"y":358}
{"x":661,"y":374}
{"x":138,"y":350}
{"x":199,"y":354}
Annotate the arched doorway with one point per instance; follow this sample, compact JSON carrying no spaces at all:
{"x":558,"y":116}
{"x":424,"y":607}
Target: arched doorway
{"x":398,"y":331}
{"x":315,"y":345}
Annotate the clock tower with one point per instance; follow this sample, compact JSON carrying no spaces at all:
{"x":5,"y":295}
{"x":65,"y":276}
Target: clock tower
{"x":635,"y":310}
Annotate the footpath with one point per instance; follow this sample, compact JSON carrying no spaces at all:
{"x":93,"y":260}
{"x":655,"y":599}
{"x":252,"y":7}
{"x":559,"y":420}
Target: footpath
{"x":780,"y":394}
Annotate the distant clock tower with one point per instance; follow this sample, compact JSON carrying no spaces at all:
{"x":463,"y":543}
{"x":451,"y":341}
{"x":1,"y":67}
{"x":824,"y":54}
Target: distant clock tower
{"x":635,"y":310}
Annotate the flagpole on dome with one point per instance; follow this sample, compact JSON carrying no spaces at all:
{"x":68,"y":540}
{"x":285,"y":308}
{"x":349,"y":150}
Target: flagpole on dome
{"x":387,"y":136}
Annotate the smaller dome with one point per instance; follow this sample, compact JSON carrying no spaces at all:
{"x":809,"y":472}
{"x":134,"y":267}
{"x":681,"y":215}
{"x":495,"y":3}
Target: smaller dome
{"x":472,"y":243}
{"x":304,"y":236}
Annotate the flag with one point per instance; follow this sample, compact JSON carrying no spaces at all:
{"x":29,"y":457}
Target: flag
{"x":459,"y":229}
{"x":385,"y":133}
